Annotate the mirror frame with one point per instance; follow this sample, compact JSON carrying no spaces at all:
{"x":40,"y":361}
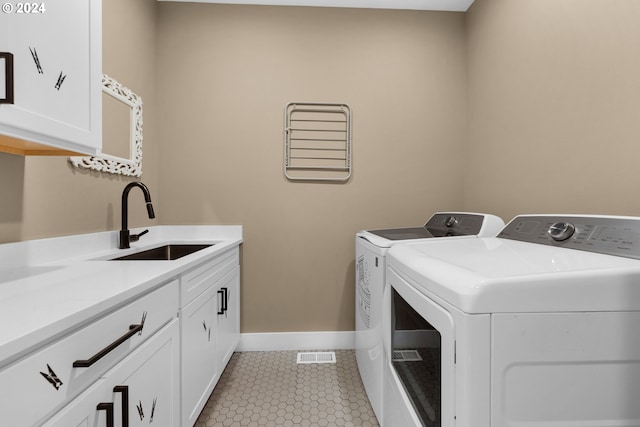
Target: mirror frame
{"x":112,"y":164}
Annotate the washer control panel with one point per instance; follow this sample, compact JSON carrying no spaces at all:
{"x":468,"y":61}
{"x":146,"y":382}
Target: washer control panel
{"x":561,"y":231}
{"x":619,"y":236}
{"x":454,"y":224}
{"x":451,"y":221}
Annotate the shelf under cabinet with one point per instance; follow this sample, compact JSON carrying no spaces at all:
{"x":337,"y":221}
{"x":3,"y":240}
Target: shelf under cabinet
{"x":27,"y":148}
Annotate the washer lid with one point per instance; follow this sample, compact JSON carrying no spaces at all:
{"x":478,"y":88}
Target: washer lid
{"x":403,"y":233}
{"x":489,"y":275}
{"x":441,"y":224}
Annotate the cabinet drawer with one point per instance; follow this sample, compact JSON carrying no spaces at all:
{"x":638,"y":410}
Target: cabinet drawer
{"x":143,"y":385}
{"x":198,"y":280}
{"x":47,"y":379}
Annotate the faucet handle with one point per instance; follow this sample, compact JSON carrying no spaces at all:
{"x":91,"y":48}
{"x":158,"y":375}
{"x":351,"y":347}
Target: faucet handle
{"x":136,"y":237}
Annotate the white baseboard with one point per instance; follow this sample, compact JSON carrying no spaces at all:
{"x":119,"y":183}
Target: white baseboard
{"x":279,"y":341}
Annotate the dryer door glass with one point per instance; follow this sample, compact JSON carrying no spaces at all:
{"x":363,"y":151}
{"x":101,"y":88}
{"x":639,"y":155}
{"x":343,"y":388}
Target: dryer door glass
{"x":417,"y":349}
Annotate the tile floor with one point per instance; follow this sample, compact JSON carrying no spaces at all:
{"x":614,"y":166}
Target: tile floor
{"x":271,"y":389}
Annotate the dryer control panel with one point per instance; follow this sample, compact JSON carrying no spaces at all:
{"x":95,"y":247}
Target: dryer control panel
{"x":619,"y":236}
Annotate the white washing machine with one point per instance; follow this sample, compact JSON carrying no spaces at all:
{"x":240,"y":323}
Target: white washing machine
{"x":537,"y":327}
{"x":371,"y":248}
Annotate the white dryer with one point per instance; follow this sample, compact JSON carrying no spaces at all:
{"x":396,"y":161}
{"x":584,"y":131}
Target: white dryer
{"x":371,"y":248}
{"x":536,"y":327}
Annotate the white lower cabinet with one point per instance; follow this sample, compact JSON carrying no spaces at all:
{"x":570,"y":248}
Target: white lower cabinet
{"x":140,"y":390}
{"x":210,"y":331}
{"x":152,"y":361}
{"x":53,"y":375}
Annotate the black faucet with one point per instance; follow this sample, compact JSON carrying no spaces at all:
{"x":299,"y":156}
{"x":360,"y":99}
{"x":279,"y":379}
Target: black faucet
{"x":125,"y":236}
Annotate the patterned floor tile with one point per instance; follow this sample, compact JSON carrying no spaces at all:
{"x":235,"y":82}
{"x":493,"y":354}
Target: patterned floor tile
{"x":271,"y":389}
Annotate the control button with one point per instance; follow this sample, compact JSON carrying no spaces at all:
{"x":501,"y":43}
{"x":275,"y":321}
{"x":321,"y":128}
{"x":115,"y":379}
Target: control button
{"x":451,"y":221}
{"x":561,"y":231}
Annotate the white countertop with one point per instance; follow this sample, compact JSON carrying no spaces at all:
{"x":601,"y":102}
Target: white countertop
{"x":50,"y":286}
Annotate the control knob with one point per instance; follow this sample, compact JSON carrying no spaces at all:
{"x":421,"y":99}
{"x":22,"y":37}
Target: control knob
{"x":451,"y":221}
{"x":561,"y":231}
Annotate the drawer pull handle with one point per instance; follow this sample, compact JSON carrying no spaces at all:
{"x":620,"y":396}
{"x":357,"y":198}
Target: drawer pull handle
{"x":109,"y":408}
{"x":133,"y":329}
{"x":226,"y":299}
{"x":221,"y":310}
{"x":8,"y":78}
{"x":125,"y":403}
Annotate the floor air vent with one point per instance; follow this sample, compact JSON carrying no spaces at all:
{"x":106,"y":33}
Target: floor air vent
{"x":406,"y":356}
{"x":317,"y":357}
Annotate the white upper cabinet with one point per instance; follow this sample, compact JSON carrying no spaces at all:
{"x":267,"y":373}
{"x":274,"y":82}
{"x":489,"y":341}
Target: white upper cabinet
{"x":57,"y":71}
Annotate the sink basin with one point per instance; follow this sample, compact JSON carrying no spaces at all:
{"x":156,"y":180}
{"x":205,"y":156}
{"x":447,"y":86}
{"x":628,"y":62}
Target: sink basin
{"x":164,"y":253}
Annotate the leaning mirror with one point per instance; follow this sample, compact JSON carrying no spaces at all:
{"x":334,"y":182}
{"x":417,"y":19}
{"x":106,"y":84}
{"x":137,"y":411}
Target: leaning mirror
{"x":122,"y":132}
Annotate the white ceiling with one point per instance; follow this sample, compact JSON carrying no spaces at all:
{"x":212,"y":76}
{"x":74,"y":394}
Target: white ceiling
{"x":445,"y":5}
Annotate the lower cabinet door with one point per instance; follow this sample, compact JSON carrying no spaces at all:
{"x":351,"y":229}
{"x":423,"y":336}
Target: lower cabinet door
{"x":84,"y":412}
{"x":145,"y":388}
{"x":199,"y":368}
{"x":228,"y":316}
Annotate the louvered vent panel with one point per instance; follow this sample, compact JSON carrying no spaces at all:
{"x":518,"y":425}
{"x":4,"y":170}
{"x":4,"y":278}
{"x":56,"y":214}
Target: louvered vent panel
{"x":317,"y":142}
{"x":317,"y":357}
{"x":406,"y":356}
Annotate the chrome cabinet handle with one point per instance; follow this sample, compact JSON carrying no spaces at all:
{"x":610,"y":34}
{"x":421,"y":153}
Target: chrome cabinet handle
{"x":125,"y":403}
{"x":109,"y":408}
{"x":133,"y":329}
{"x":8,"y":77}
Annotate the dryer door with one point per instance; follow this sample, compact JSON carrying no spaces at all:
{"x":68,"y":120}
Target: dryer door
{"x":422,"y":353}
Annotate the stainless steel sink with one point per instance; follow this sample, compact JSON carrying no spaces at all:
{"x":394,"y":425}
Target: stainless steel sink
{"x":164,"y":253}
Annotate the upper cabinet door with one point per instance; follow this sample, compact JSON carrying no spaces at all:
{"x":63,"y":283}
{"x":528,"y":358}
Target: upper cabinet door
{"x":57,"y":70}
